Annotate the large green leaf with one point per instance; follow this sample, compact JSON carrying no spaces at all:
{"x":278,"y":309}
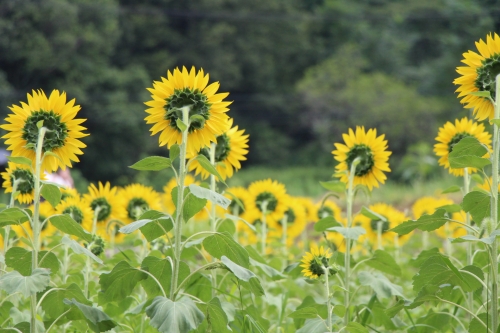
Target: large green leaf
{"x":120,"y":282}
{"x":468,"y":152}
{"x":69,"y":226}
{"x":214,"y":197}
{"x":21,"y":259}
{"x":97,"y":320}
{"x":380,"y":284}
{"x":152,"y":163}
{"x":384,"y":262}
{"x":223,"y":244}
{"x":325,"y":223}
{"x":11,"y":216}
{"x":425,"y":223}
{"x":53,"y":304}
{"x":174,"y":317}
{"x":51,"y":193}
{"x":161,"y":269}
{"x":316,"y":325}
{"x":240,"y":272}
{"x":15,"y":282}
{"x":192,"y":204}
{"x":479,"y":327}
{"x":216,"y":317}
{"x":349,"y":233}
{"x":478,"y":204}
{"x":354,"y":327}
{"x":160,"y":223}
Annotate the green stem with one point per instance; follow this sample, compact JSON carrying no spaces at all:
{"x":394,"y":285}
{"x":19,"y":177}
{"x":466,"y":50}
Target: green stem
{"x":328,"y":303}
{"x":180,"y":198}
{"x":470,"y":296}
{"x":36,"y":217}
{"x":213,"y":218}
{"x":264,"y":228}
{"x":284,"y":224}
{"x":347,"y":258}
{"x":6,"y":234}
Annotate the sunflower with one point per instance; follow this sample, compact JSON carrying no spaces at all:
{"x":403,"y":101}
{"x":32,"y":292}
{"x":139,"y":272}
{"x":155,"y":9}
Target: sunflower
{"x":231,"y":148}
{"x":393,"y":217}
{"x":106,"y":200}
{"x":67,"y":192}
{"x":208,"y":118}
{"x":168,"y":203}
{"x":452,"y":229}
{"x":373,"y":155}
{"x":26,"y":178}
{"x":329,"y":208}
{"x":449,"y":135}
{"x":428,"y":205}
{"x":272,"y":195}
{"x":63,"y":130}
{"x":78,"y":209}
{"x":244,"y":198}
{"x":310,"y":207}
{"x":479,"y":75}
{"x":315,"y":262}
{"x":295,"y":217}
{"x":138,"y":199}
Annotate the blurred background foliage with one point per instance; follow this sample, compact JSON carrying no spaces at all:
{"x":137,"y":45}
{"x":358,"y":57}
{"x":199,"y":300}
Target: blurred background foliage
{"x":300,"y":72}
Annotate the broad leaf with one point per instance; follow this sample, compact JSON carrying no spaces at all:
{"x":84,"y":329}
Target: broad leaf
{"x":425,"y":223}
{"x":97,"y":320}
{"x":13,"y":282}
{"x":471,"y":238}
{"x":479,"y":327}
{"x":240,"y":272}
{"x":380,"y":284}
{"x":11,"y":216}
{"x":305,"y":313}
{"x":316,"y":325}
{"x":131,"y":227}
{"x":354,"y":327}
{"x":216,"y":317}
{"x":21,"y":259}
{"x":160,"y":223}
{"x":223,"y":244}
{"x":181,"y":316}
{"x":120,"y":282}
{"x":161,"y":269}
{"x":192,"y":204}
{"x":349,"y":233}
{"x":468,"y":152}
{"x":69,"y":226}
{"x":451,"y":189}
{"x":478,"y":204}
{"x":78,"y":249}
{"x":334,"y":186}
{"x":212,"y":196}
{"x":174,"y":152}
{"x":325,"y":223}
{"x":152,"y":163}
{"x":384,"y":262}
{"x":51,"y":193}
{"x":20,"y":160}
{"x":53,"y":304}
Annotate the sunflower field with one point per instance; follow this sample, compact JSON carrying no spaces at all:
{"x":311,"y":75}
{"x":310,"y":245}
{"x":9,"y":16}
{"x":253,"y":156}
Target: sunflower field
{"x":201,"y":256}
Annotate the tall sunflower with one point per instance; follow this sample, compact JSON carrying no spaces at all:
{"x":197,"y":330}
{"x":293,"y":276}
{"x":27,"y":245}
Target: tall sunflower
{"x":78,"y":209}
{"x":137,"y":199}
{"x":244,"y":199}
{"x":371,"y":149}
{"x":296,"y":221}
{"x":231,"y":148}
{"x":62,"y":137}
{"x":314,"y":262}
{"x":187,"y":88}
{"x":26,"y":179}
{"x":271,"y":194}
{"x":329,"y":208}
{"x":450,"y":134}
{"x":479,"y":75}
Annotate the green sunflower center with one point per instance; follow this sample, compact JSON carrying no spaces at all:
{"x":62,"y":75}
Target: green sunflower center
{"x":57,"y":131}
{"x":104,"y":208}
{"x":268,"y":197}
{"x":75,"y":212}
{"x":316,"y":265}
{"x":456,"y":139}
{"x":365,"y":154}
{"x":222,"y":149}
{"x":65,"y":195}
{"x":136,"y":207}
{"x":27,"y":180}
{"x":324,"y":212}
{"x":290,"y":217}
{"x":487,"y":73}
{"x":375,"y":223}
{"x":186,"y":97}
{"x":233,"y":206}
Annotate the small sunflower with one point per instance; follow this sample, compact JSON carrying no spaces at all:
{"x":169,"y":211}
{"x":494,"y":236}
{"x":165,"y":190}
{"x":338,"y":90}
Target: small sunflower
{"x":231,"y":148}
{"x":314,"y":261}
{"x":78,"y":209}
{"x":106,"y":199}
{"x":137,"y":199}
{"x":295,"y":217}
{"x":329,"y":208}
{"x":244,"y":199}
{"x":271,"y":194}
{"x":310,"y":207}
{"x":428,"y":205}
{"x":168,"y":203}
{"x":479,"y":75}
{"x":67,"y":192}
{"x":26,"y":178}
{"x":62,"y":137}
{"x":372,"y":151}
{"x":187,"y":88}
{"x":393,"y":218}
{"x":450,"y":134}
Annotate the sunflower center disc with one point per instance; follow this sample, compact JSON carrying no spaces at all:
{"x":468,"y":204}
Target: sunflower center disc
{"x":234,"y":204}
{"x":487,"y":73}
{"x":57,"y":131}
{"x":104,"y":208}
{"x":375,"y":223}
{"x":199,"y":106}
{"x":365,"y":154}
{"x":324,"y":212}
{"x":456,"y":139}
{"x":222,"y":149}
{"x":136,"y":207}
{"x":316,"y":268}
{"x":75,"y":213}
{"x":290,"y":217}
{"x":271,"y":200}
{"x":28,"y":181}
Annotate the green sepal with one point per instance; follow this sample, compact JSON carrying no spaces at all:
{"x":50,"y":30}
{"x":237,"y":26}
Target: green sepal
{"x":485,"y":94}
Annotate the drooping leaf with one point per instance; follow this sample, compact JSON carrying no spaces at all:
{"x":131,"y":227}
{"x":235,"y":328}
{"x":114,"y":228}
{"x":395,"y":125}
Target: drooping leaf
{"x":53,"y":304}
{"x":78,"y":249}
{"x":471,"y":238}
{"x":180,"y":316}
{"x":97,"y":320}
{"x":160,"y":223}
{"x":21,"y":259}
{"x":66,"y":224}
{"x":13,"y":215}
{"x":214,"y":197}
{"x":425,"y":223}
{"x":380,"y":284}
{"x":205,"y":164}
{"x":268,"y":270}
{"x":20,"y":160}
{"x":451,"y":189}
{"x":325,"y":223}
{"x":349,"y":233}
{"x":152,"y":163}
{"x":15,"y":282}
{"x":478,"y":204}
{"x":120,"y":282}
{"x":384,"y":262}
{"x":468,"y":152}
{"x":240,"y":272}
{"x":216,"y":317}
{"x":305,"y":313}
{"x":372,"y":215}
{"x":223,"y":244}
{"x":51,"y":193}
